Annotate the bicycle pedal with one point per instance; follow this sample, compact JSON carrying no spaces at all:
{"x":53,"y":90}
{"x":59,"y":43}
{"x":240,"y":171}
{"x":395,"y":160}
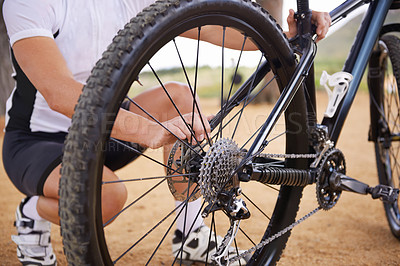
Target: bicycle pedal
{"x":386,"y":193}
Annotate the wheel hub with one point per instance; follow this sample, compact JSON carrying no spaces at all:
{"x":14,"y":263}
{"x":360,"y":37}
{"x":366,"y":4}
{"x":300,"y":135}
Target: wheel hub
{"x":183,"y":165}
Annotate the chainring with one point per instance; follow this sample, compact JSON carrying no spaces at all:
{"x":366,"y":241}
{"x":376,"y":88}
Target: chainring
{"x":327,"y":195}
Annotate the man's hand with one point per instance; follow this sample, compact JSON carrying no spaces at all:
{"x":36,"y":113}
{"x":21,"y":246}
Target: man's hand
{"x":321,"y":19}
{"x":159,"y":136}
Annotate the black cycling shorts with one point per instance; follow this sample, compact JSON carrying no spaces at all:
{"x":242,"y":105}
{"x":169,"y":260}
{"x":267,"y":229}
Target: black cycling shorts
{"x":29,"y":157}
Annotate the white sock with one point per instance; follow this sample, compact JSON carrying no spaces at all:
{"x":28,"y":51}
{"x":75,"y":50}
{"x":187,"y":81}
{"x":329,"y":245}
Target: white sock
{"x":30,"y":210}
{"x":192,"y":211}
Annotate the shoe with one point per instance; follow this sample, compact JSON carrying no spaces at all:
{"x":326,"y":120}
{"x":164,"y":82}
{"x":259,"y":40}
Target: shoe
{"x":33,"y":240}
{"x":196,"y":246}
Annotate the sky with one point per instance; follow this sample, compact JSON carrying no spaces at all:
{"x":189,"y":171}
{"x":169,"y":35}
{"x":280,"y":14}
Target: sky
{"x":319,"y":5}
{"x":212,"y":52}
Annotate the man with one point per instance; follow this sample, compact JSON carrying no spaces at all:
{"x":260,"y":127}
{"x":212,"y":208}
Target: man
{"x":55,"y":44}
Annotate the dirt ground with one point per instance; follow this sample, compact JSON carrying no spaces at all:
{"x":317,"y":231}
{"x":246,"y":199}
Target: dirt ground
{"x":355,"y":232}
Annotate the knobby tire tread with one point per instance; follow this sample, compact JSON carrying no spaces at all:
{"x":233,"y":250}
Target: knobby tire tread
{"x":75,"y":181}
{"x":393,"y":44}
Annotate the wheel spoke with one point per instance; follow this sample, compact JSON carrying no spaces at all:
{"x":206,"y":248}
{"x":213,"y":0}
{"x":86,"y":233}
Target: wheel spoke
{"x":237,"y":250}
{"x":146,"y":178}
{"x":176,"y":107}
{"x":240,"y":111}
{"x":251,"y":137}
{"x":134,"y":202}
{"x":152,"y":229}
{"x":255,"y":205}
{"x":196,"y":71}
{"x":212,"y":227}
{"x":183,"y":66}
{"x":222,"y":79}
{"x":246,"y":99}
{"x":174,"y":221}
{"x":144,"y":155}
{"x":185,"y":237}
{"x":247,"y":236}
{"x":234,"y":77}
{"x":159,"y":123}
{"x":195,"y":103}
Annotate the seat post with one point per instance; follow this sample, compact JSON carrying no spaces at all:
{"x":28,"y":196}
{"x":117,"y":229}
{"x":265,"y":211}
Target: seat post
{"x":302,"y":6}
{"x":303,"y":16}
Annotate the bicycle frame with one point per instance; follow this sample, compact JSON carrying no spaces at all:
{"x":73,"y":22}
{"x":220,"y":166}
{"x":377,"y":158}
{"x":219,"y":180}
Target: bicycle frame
{"x":355,"y":64}
{"x":358,"y":58}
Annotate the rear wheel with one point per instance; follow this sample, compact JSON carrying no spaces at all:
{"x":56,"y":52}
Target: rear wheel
{"x":149,"y":47}
{"x":385,"y":115}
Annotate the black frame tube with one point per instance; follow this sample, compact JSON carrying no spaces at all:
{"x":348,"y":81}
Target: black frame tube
{"x":355,"y":64}
{"x":357,"y":60}
{"x":284,"y":100}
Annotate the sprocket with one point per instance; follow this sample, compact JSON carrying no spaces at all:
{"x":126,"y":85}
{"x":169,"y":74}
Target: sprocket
{"x":217,"y":168}
{"x":332,"y":162}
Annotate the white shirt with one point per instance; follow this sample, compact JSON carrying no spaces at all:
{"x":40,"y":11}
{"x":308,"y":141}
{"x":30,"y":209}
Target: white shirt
{"x":85,"y":28}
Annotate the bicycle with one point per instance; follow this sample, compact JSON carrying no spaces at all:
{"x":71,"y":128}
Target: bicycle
{"x":223,"y":167}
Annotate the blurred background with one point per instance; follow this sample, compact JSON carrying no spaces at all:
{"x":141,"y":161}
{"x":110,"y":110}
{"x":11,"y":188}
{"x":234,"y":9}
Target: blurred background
{"x":330,"y":238}
{"x":331,"y":52}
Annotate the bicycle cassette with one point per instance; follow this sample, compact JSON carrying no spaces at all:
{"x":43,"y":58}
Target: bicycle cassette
{"x":217,"y":171}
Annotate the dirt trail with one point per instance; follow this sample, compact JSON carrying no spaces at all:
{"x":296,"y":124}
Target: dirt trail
{"x":354,"y":232}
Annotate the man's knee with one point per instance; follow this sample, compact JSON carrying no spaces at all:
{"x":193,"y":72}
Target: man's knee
{"x":181,"y":94}
{"x":113,"y":200}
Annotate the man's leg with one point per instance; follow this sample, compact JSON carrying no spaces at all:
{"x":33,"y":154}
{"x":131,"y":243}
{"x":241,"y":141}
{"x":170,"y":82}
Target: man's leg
{"x":34,"y":214}
{"x":158,"y":104}
{"x":113,"y":196}
{"x":191,"y":237}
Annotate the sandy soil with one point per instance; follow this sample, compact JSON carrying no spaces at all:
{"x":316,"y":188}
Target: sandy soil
{"x":354,"y":232}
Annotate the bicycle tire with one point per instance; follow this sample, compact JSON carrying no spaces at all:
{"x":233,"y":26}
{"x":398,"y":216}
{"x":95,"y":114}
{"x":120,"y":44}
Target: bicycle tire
{"x":385,"y":114}
{"x":80,"y":186}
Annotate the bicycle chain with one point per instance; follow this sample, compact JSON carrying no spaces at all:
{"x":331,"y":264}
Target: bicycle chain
{"x":286,"y":156}
{"x":288,"y":228}
{"x":332,"y":161}
{"x":275,"y":236}
{"x":182,"y":196}
{"x":226,"y":242}
{"x":225,"y":155}
{"x":218,"y":156}
{"x":215,"y":157}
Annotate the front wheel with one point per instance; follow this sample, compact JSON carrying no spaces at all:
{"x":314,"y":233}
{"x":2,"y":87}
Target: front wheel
{"x":150,"y":50}
{"x":384,"y":80}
